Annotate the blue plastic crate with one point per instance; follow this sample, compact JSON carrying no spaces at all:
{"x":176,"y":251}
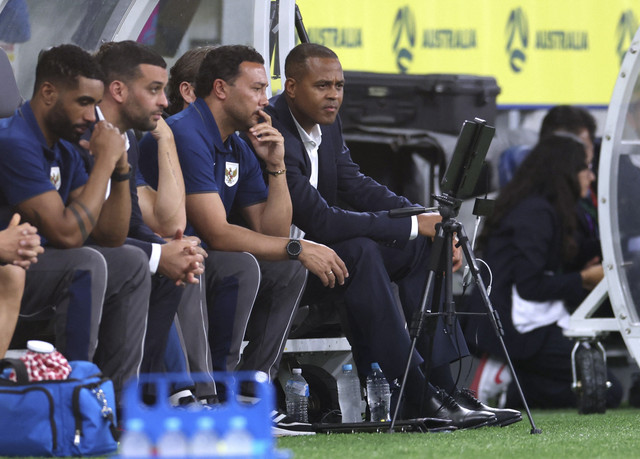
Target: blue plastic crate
{"x":257,"y":415}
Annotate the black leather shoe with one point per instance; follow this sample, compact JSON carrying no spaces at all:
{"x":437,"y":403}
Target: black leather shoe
{"x":466,"y":398}
{"x":443,"y":406}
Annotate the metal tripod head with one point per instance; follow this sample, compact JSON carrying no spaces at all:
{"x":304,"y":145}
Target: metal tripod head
{"x":448,"y":206}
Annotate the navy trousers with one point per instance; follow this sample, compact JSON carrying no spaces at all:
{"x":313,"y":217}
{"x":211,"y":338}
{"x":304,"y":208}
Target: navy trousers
{"x":377,"y":326}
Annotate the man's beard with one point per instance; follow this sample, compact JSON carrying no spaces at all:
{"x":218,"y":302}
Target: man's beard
{"x":60,"y":124}
{"x":242,"y":123}
{"x":132,"y":119}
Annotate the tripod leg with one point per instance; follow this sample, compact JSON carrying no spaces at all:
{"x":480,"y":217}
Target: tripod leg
{"x":419,"y":317}
{"x":494,"y":318}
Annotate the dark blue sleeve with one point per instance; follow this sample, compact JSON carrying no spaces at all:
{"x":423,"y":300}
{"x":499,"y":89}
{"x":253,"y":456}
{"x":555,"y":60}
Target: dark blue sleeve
{"x":146,"y":246}
{"x":252,"y":188}
{"x":138,"y":229}
{"x":317,"y":211}
{"x":148,"y":160}
{"x":536,"y":254}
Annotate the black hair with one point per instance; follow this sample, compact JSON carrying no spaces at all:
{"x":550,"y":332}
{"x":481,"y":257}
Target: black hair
{"x":550,"y":171}
{"x":185,"y":69}
{"x":223,"y":63}
{"x":120,"y":60}
{"x":568,"y":118}
{"x":295,"y":65}
{"x":62,"y":65}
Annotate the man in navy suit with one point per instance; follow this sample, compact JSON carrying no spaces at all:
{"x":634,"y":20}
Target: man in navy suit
{"x":334,"y":204}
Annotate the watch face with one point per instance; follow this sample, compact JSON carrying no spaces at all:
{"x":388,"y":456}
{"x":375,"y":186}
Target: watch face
{"x":294,"y":248}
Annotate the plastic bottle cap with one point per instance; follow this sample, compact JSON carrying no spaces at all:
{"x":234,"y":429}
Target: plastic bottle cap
{"x":40,"y":346}
{"x":135,"y":425}
{"x":172,"y":423}
{"x":238,"y":422}
{"x":297,"y":371}
{"x":347,"y":367}
{"x":205,"y":423}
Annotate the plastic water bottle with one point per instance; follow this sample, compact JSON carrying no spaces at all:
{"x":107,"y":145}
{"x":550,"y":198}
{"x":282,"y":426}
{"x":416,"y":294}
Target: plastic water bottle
{"x":134,"y":442}
{"x":204,"y":442}
{"x":238,"y":441}
{"x":378,"y":394}
{"x":349,"y":395}
{"x":172,"y":443}
{"x":297,"y":397}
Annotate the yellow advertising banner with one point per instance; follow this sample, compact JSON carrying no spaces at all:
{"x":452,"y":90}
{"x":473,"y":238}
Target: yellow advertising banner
{"x":541,"y":52}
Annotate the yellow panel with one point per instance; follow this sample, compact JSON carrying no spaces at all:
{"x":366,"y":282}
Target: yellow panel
{"x":542,"y":52}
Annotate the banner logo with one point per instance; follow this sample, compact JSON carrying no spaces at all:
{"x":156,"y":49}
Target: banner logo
{"x":625,"y":30}
{"x":404,"y":31}
{"x":517,"y":35}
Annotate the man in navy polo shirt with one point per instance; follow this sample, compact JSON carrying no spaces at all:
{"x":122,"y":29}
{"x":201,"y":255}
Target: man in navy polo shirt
{"x":222,"y":175}
{"x":135,"y":76}
{"x":97,"y":295}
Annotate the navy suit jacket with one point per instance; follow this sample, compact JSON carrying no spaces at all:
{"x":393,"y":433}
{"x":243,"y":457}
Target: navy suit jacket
{"x":524,"y":250}
{"x":322,"y":214}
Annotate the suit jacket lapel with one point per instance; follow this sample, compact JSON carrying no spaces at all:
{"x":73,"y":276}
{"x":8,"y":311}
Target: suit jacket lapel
{"x":284,"y":114}
{"x":327,"y":174}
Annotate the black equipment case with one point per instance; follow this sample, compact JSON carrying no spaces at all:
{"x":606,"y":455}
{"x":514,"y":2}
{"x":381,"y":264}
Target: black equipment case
{"x":432,"y":102}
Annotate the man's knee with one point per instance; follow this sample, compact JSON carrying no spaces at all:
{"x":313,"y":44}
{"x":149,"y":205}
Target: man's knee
{"x":134,"y":257}
{"x":360,"y":252}
{"x":285,"y":273}
{"x":241,"y":266}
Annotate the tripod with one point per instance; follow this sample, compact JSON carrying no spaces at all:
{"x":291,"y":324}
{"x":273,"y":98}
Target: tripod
{"x":440,"y":261}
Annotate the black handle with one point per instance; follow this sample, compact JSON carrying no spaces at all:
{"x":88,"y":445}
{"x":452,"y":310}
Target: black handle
{"x":22,"y":375}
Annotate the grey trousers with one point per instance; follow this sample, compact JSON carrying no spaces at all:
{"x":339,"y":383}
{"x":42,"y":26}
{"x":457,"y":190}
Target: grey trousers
{"x":192,"y":324}
{"x":249,"y":300}
{"x":124,"y":316}
{"x":98,"y":298}
{"x":281,"y":290}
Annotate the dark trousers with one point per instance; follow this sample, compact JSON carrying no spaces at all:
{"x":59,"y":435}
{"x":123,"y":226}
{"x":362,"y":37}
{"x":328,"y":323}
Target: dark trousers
{"x":377,"y":327}
{"x":163,"y":304}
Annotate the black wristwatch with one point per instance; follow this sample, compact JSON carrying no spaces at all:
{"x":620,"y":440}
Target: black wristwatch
{"x":294,"y":247}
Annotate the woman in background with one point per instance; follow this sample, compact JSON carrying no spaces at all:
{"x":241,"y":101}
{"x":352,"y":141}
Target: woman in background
{"x":531,"y":234}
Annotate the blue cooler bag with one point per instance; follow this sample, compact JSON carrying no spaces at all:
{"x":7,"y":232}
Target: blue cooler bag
{"x":70,"y":417}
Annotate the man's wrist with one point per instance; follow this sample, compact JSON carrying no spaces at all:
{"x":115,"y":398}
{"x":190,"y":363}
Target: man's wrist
{"x":121,"y":176}
{"x":294,"y":249}
{"x":275,"y":173}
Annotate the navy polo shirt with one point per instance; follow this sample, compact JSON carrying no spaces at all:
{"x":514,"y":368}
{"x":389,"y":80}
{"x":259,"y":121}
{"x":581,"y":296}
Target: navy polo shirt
{"x":208,"y":165}
{"x":28,"y":167}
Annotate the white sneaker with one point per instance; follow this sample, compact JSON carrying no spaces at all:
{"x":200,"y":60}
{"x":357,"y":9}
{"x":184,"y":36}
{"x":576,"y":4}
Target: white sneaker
{"x":491,"y":381}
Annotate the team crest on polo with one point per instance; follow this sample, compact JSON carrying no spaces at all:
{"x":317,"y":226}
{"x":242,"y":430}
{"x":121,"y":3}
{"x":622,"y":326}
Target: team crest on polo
{"x":54,"y":177}
{"x":230,"y":173}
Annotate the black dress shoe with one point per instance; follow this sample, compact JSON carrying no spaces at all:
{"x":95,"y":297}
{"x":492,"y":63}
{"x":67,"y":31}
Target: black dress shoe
{"x":466,"y":398}
{"x":443,"y":406}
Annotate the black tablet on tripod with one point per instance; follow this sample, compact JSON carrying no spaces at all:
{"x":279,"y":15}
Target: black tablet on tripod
{"x":463,"y":171}
{"x":458,"y":183}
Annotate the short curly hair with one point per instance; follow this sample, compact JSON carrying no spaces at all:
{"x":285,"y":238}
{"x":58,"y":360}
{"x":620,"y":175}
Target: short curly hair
{"x":62,"y":65}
